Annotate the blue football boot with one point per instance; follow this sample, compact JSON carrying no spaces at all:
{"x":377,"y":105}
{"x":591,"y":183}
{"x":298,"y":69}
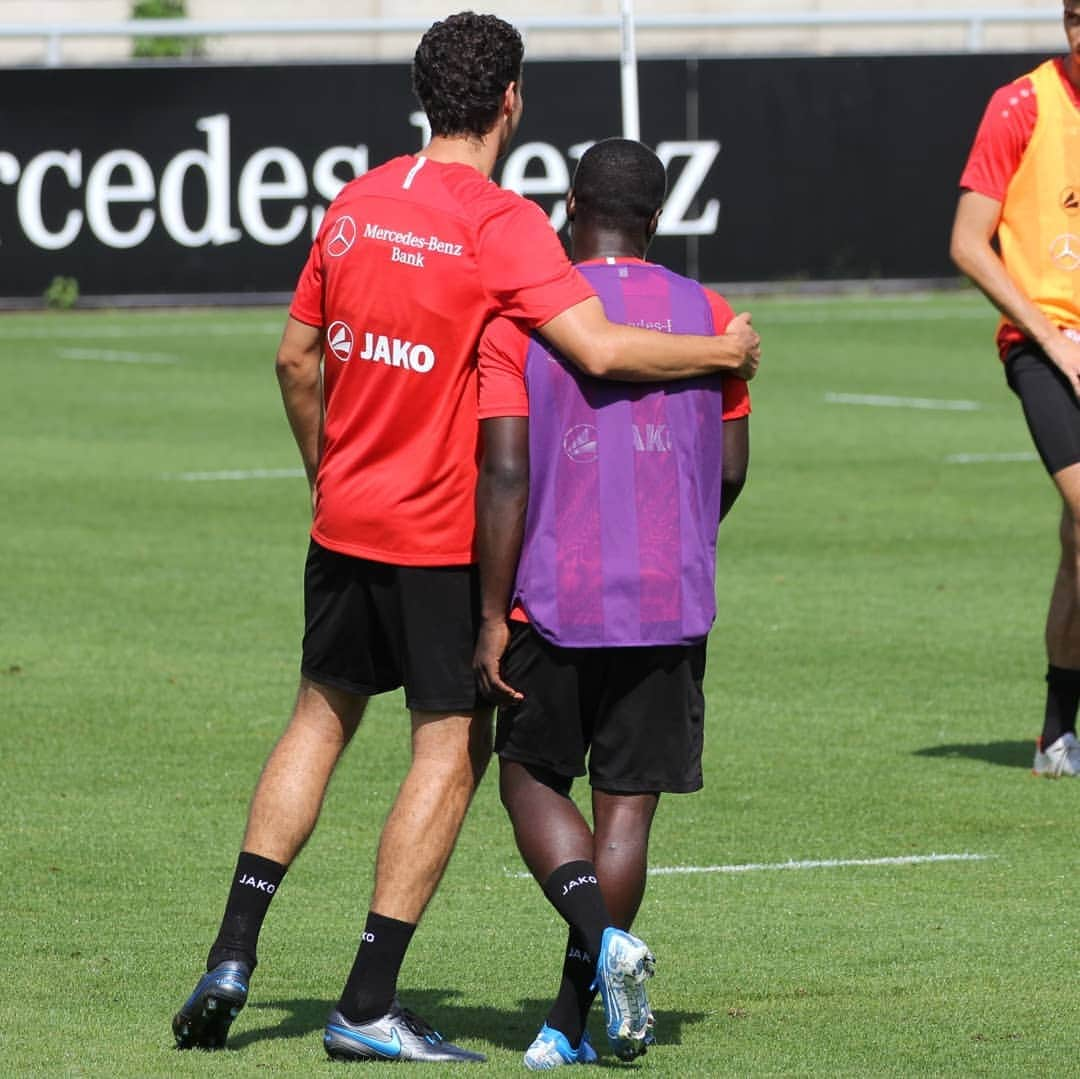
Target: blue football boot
{"x":551,"y":1049}
{"x":204,"y":1020}
{"x":625,"y":964}
{"x":397,"y":1035}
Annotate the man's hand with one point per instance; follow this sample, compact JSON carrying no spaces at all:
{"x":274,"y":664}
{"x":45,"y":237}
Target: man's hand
{"x":490,"y":646}
{"x":749,"y":340}
{"x":1064,"y":350}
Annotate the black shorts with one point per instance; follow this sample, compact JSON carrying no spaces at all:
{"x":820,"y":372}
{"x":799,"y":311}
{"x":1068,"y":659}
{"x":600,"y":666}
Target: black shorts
{"x":637,"y":712}
{"x":1050,"y":406}
{"x":370,"y":627}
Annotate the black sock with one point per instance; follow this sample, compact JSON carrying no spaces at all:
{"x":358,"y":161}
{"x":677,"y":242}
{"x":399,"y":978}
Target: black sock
{"x":571,"y":1008}
{"x":254,"y":885}
{"x":372,"y":982}
{"x":575,"y":893}
{"x":1062,"y":697}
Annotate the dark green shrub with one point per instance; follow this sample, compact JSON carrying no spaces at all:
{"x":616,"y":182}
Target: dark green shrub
{"x":62,"y":293}
{"x":162,"y":47}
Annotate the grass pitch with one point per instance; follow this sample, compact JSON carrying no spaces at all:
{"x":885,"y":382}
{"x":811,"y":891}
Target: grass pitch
{"x":874,"y":685}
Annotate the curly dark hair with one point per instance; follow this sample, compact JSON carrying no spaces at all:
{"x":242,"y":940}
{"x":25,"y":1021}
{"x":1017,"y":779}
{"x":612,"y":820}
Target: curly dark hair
{"x":619,"y":183}
{"x":461,"y":70}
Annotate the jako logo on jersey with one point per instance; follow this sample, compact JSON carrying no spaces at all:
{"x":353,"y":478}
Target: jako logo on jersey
{"x":579,"y":443}
{"x":258,"y":885}
{"x":340,"y":340}
{"x":580,"y":954}
{"x":341,"y":236}
{"x":378,"y":348}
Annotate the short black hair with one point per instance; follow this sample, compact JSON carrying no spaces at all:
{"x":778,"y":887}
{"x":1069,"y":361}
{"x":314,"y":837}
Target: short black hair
{"x":461,"y":70}
{"x":619,"y":184}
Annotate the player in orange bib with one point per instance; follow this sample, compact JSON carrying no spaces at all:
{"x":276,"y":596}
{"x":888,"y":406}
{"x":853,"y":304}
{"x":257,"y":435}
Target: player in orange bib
{"x":378,"y":375}
{"x":1021,"y":186}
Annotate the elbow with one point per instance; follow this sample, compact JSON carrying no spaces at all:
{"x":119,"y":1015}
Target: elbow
{"x":730,"y":489}
{"x":956,"y":254}
{"x":599,"y":360}
{"x":961,"y":253}
{"x":507,"y":480}
{"x":284,"y":366}
{"x":292,"y":367}
{"x":603,"y":363}
{"x":502,"y":493}
{"x":732,"y":486}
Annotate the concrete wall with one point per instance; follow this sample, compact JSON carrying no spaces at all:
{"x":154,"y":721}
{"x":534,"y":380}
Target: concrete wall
{"x":784,"y":38}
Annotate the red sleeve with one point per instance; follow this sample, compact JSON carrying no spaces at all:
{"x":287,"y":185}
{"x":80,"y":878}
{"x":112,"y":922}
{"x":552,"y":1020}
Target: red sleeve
{"x":1001,"y":140}
{"x":523,"y":265}
{"x":501,"y":361}
{"x":736,"y":390}
{"x":307,"y":302}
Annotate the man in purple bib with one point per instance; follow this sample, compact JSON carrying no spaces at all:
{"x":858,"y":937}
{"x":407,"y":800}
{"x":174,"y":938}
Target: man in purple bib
{"x":598,"y":506}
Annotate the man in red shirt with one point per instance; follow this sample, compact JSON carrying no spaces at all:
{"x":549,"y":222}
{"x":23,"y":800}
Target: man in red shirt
{"x":597,"y":515}
{"x":1017,"y":236}
{"x":377,"y":373}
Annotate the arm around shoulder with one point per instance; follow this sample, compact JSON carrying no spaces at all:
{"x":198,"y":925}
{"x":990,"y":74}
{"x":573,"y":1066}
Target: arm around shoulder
{"x":609,"y":350}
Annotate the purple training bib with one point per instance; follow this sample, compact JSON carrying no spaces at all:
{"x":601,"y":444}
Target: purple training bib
{"x":624,"y":496}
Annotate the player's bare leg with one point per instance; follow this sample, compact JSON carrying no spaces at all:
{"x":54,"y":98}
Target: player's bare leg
{"x":1063,"y":619}
{"x":1058,"y":753}
{"x":621,"y":826}
{"x":291,"y":789}
{"x":548,"y":826}
{"x":558,"y":847}
{"x":284,"y":810}
{"x":449,"y":756}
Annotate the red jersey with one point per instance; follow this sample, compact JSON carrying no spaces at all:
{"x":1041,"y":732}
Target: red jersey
{"x":412,"y":261}
{"x":1000,"y":144}
{"x":505,"y":345}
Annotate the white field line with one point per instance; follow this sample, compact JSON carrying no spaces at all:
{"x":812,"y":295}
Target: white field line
{"x":818,"y":315}
{"x":827,"y":863}
{"x":141,"y":330}
{"x":990,"y":458}
{"x":886,"y":401}
{"x":238,"y":474}
{"x":105,"y":355}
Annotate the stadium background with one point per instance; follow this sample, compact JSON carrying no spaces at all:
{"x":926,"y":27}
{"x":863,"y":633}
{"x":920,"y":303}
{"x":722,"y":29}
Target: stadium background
{"x":796,"y":153}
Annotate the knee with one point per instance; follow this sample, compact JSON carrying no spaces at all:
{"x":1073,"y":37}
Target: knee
{"x":514,"y":782}
{"x":631,"y":843}
{"x":517,"y":782}
{"x":324,"y":714}
{"x":480,"y":740}
{"x":1069,"y":534}
{"x":506,"y":787}
{"x":623,"y":822}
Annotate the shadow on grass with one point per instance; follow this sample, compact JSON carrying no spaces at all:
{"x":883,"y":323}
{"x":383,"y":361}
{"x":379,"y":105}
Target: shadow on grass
{"x":510,"y":1028}
{"x":1006,"y":754}
{"x":305,"y":1016}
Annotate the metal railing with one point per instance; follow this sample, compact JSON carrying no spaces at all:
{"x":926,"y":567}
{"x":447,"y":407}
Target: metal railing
{"x":973,"y":24}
